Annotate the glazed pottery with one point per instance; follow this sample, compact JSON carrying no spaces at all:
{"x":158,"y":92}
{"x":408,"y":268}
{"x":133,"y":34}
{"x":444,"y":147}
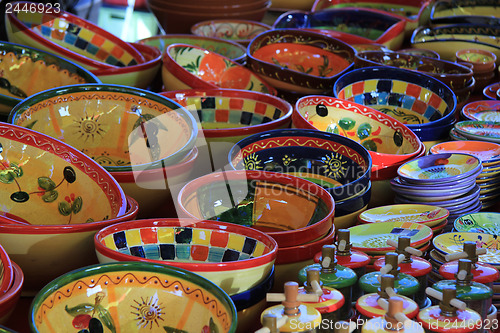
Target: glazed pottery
{"x":6,"y":271}
{"x":479,"y":130}
{"x":468,"y":199}
{"x":482,"y":110}
{"x":431,"y":194}
{"x":351,"y":25}
{"x":452,"y":242}
{"x":488,"y":152}
{"x":420,"y":52}
{"x":465,"y":11}
{"x":370,"y":47}
{"x":285,"y":5}
{"x":481,"y":60}
{"x":424,"y":214}
{"x":491,"y":91}
{"x":23,"y":68}
{"x":8,"y":300}
{"x":240,"y":31}
{"x":191,"y":67}
{"x":483,"y":222}
{"x":131,"y":297}
{"x":54,"y":30}
{"x":257,"y":199}
{"x":299,"y":61}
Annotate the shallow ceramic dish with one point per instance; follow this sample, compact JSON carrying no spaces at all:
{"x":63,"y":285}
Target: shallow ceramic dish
{"x":240,"y":31}
{"x":465,"y":11}
{"x":452,"y":242}
{"x":257,"y":199}
{"x":479,"y":130}
{"x":54,"y":30}
{"x":470,"y":198}
{"x":420,"y":52}
{"x":388,"y":140}
{"x":299,"y":61}
{"x":360,"y":25}
{"x":8,"y":301}
{"x":329,"y":160}
{"x":424,"y":214}
{"x":482,"y":110}
{"x":491,"y":90}
{"x":23,"y":68}
{"x":191,"y":67}
{"x":131,"y":297}
{"x":481,"y":61}
{"x":483,"y":222}
{"x":371,"y":238}
{"x":234,"y":257}
{"x":424,"y":195}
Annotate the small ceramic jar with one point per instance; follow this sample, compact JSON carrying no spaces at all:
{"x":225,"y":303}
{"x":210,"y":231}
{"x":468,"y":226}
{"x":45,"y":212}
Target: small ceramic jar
{"x":389,"y":323}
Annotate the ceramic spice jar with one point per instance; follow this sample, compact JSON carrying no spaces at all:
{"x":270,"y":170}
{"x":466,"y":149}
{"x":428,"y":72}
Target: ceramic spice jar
{"x":334,"y":276}
{"x":412,"y":265}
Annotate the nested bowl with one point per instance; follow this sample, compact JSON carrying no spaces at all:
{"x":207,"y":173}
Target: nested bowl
{"x":487,"y":152}
{"x":481,"y":60}
{"x":8,"y":300}
{"x":299,"y":61}
{"x":234,"y":257}
{"x":54,"y":30}
{"x":292,"y":210}
{"x":132,"y":297}
{"x":6,"y":271}
{"x":240,"y":31}
{"x":462,"y":11}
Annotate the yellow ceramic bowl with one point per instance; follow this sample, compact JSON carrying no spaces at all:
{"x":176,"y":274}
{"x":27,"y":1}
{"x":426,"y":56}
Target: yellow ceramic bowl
{"x":424,"y":214}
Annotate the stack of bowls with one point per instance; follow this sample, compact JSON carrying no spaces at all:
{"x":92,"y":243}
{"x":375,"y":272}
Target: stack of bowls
{"x":483,"y":65}
{"x":10,"y":297}
{"x":444,"y":180}
{"x":479,"y":130}
{"x":489,"y":154}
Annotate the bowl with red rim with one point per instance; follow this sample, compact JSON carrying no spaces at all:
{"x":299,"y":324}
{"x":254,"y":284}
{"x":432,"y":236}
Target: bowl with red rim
{"x":240,"y":31}
{"x":6,"y":271}
{"x":257,"y":199}
{"x":192,"y":67}
{"x":8,"y":300}
{"x":299,"y":61}
{"x":54,"y":30}
{"x":234,"y":257}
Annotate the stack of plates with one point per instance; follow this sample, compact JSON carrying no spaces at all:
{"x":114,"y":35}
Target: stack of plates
{"x":444,"y":180}
{"x":489,"y":154}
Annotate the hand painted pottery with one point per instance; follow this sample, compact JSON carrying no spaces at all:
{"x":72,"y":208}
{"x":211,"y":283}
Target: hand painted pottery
{"x":481,"y":60}
{"x":329,"y":160}
{"x":372,"y":238}
{"x":424,"y":214}
{"x":454,"y":75}
{"x":234,"y":257}
{"x":456,"y":136}
{"x":483,"y":222}
{"x":388,"y":140}
{"x":452,"y":242}
{"x":8,"y":300}
{"x":482,"y":110}
{"x":257,"y":199}
{"x":417,"y":100}
{"x":420,"y":52}
{"x":479,"y":130}
{"x":54,"y":30}
{"x":491,"y":90}
{"x":351,"y":25}
{"x":421,"y":193}
{"x":226,"y":48}
{"x":447,"y":40}
{"x":240,"y":31}
{"x":465,"y":11}
{"x":22,"y":68}
{"x":286,"y":5}
{"x":6,"y":271}
{"x":191,"y":67}
{"x":131,"y":297}
{"x":466,"y":200}
{"x":299,"y":61}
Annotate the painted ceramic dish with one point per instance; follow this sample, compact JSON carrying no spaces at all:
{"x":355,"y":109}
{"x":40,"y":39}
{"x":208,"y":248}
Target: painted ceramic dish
{"x":234,"y":257}
{"x":10,"y":299}
{"x":431,"y":194}
{"x":452,"y":242}
{"x":240,"y":31}
{"x":482,"y":110}
{"x":257,"y":199}
{"x":465,"y":11}
{"x":483,"y":222}
{"x":480,"y":60}
{"x":490,"y":91}
{"x":372,"y":238}
{"x":191,"y":67}
{"x":420,"y":52}
{"x":130,"y":297}
{"x":424,"y":214}
{"x":440,"y":168}
{"x":351,"y":25}
{"x":69,"y":36}
{"x":479,"y":130}
{"x":488,"y":152}
{"x":299,"y":61}
{"x":6,"y":272}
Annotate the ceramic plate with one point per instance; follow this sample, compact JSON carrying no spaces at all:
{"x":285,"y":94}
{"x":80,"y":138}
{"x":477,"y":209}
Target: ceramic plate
{"x":483,"y":222}
{"x":491,"y":91}
{"x":424,"y":214}
{"x":456,"y":136}
{"x":480,"y":130}
{"x":372,"y":238}
{"x":488,"y":152}
{"x":482,"y":110}
{"x":451,"y":242}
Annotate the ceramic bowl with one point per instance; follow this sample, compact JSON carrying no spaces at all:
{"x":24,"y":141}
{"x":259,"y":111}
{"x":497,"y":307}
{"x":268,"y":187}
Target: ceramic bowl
{"x":479,"y":130}
{"x":452,"y":242}
{"x":388,"y":140}
{"x":6,"y":271}
{"x":256,"y":199}
{"x":490,"y":91}
{"x":417,"y":100}
{"x":329,"y":160}
{"x":482,"y":110}
{"x":487,"y":152}
{"x":463,"y":11}
{"x":352,"y":206}
{"x":483,"y":222}
{"x":229,"y":49}
{"x":54,"y":30}
{"x":420,"y":52}
{"x":481,"y":60}
{"x":465,"y":93}
{"x":299,"y":61}
{"x":191,"y":67}
{"x":130,"y":297}
{"x":23,"y":67}
{"x":234,"y":257}
{"x":4,"y":329}
{"x":419,"y":213}
{"x":8,"y":300}
{"x":358,"y":25}
{"x":210,"y":7}
{"x":370,"y":47}
{"x":240,"y":31}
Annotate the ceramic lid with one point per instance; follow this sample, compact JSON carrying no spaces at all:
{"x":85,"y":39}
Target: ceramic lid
{"x":355,"y":260}
{"x":404,"y":284}
{"x":377,"y":325}
{"x":367,"y":305}
{"x":308,"y":318}
{"x":482,"y":273}
{"x":342,"y":277}
{"x":473,"y":292}
{"x":416,"y":268}
{"x":330,"y":301}
{"x":464,"y":322}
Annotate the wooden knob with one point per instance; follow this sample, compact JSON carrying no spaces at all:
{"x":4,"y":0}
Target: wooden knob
{"x":343,"y":240}
{"x":328,"y":257}
{"x":313,"y":283}
{"x":464,"y":270}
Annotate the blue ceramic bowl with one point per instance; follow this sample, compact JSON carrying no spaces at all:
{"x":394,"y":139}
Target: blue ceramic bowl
{"x":353,"y":204}
{"x":340,"y":165}
{"x":418,"y":100}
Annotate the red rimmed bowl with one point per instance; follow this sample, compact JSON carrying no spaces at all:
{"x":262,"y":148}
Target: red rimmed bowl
{"x":6,"y":271}
{"x":240,"y":31}
{"x":8,"y":301}
{"x":292,"y":210}
{"x":234,"y":257}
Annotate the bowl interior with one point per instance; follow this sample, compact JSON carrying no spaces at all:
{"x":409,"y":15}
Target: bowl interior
{"x":237,"y":30}
{"x":452,"y":242}
{"x":484,"y":222}
{"x":425,"y":214}
{"x":482,"y":110}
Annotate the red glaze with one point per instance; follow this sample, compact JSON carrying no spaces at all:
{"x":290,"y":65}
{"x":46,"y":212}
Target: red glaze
{"x":357,"y":259}
{"x":418,"y":266}
{"x":330,"y":301}
{"x":483,"y":273}
{"x":367,"y":306}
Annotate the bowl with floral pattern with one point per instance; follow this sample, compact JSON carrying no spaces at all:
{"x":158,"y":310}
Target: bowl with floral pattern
{"x":299,"y":61}
{"x":234,"y":257}
{"x":131,"y":297}
{"x":22,"y":68}
{"x":482,"y":222}
{"x":257,"y":199}
{"x":479,"y":130}
{"x":483,"y":110}
{"x":240,"y":31}
{"x":192,"y":67}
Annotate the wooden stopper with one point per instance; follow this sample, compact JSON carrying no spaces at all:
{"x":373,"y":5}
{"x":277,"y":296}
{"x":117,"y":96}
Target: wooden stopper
{"x":386,"y":282}
{"x":344,"y":242}
{"x":439,"y":296}
{"x":313,"y":283}
{"x":464,"y":274}
{"x":328,"y":254}
{"x":394,"y":316}
{"x":392,"y":259}
{"x":271,"y":323}
{"x":290,"y":303}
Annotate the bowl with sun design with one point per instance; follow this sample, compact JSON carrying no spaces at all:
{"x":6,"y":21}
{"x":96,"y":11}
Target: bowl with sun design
{"x":234,"y":257}
{"x":419,"y":101}
{"x":132,"y":297}
{"x":290,"y":209}
{"x":299,"y":61}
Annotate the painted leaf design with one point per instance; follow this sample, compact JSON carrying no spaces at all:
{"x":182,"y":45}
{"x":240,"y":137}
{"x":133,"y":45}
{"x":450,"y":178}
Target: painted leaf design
{"x":30,"y":125}
{"x":89,"y":220}
{"x":213,"y":327}
{"x":106,"y":318}
{"x":364,"y":131}
{"x":370,"y":145}
{"x":76,"y":207}
{"x":347,"y":124}
{"x":46,"y":183}
{"x":332,"y":128}
{"x":79,"y":309}
{"x":64,"y":208}
{"x":50,"y":196}
{"x":173,"y":330}
{"x":398,"y":138}
{"x":7,"y":176}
